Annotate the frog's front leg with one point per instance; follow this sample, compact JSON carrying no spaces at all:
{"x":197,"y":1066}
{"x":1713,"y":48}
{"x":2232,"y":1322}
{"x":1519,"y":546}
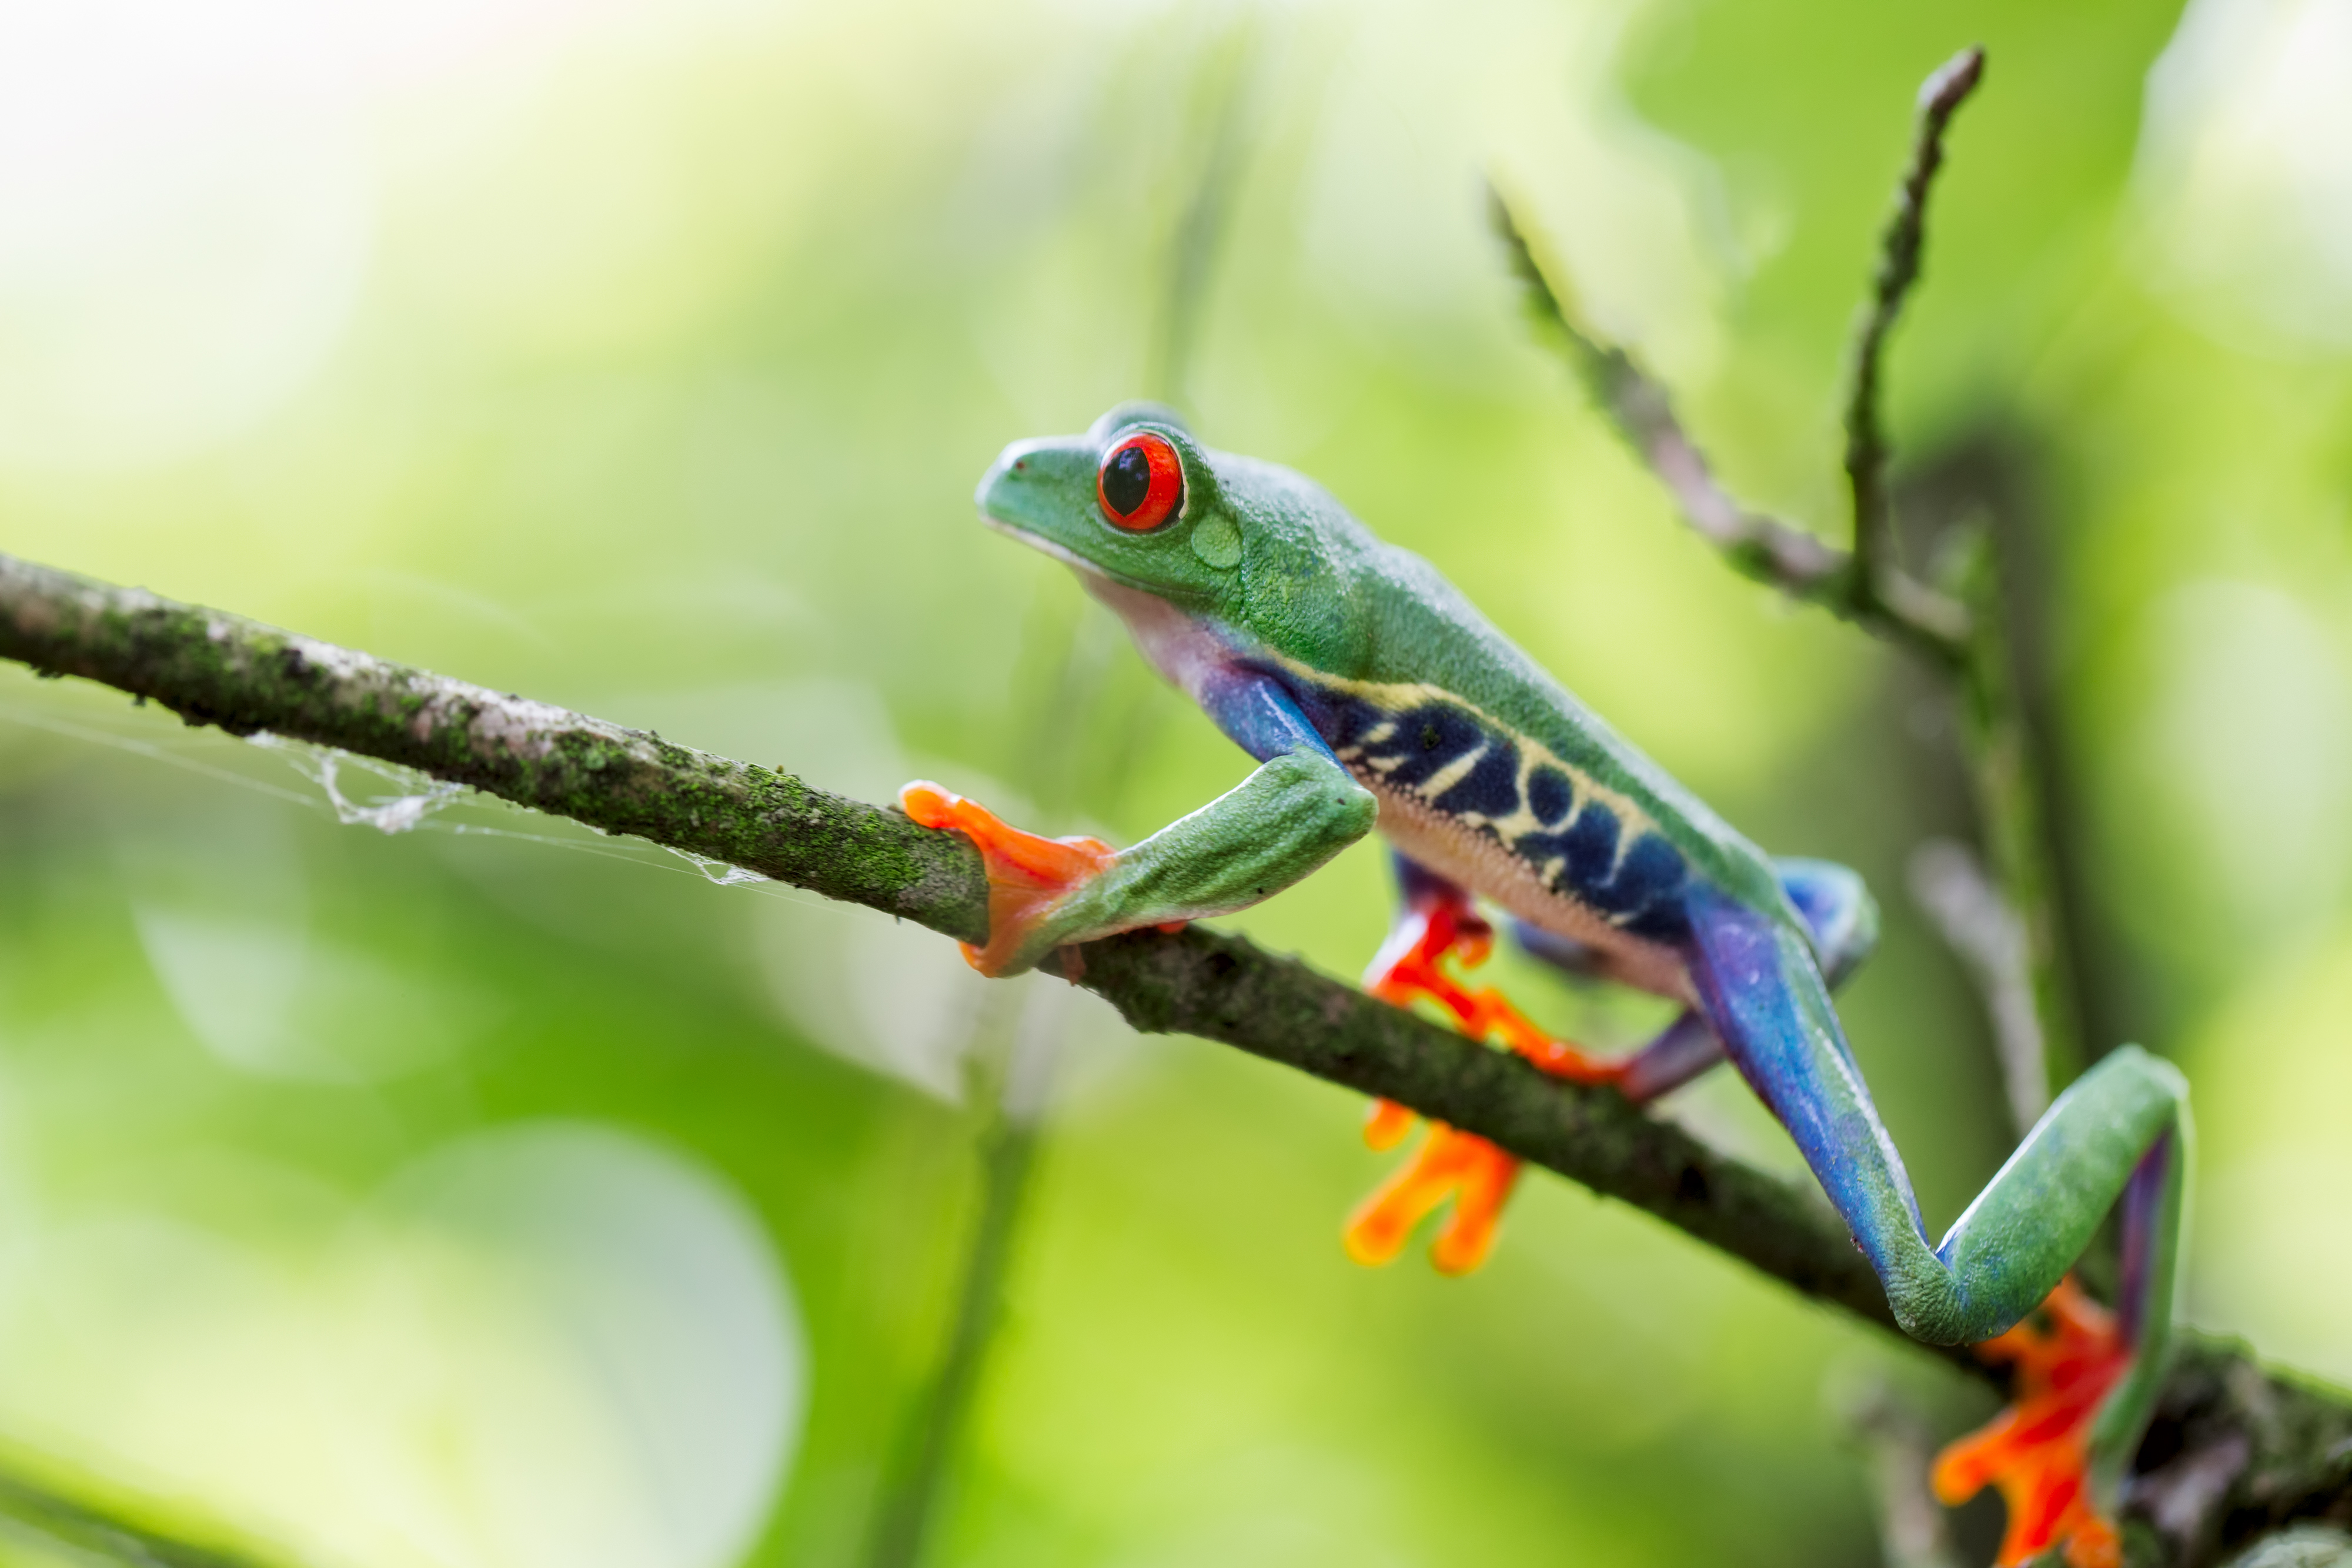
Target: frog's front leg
{"x":1286,"y":819}
{"x":2086,"y":1384}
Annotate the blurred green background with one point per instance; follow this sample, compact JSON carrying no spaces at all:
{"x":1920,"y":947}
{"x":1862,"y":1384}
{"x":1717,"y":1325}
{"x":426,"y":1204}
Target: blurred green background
{"x":492,"y":1195}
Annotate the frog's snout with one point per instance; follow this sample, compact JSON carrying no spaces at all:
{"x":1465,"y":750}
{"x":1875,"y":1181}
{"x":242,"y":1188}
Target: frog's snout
{"x":1011,"y":468}
{"x":1032,"y":482}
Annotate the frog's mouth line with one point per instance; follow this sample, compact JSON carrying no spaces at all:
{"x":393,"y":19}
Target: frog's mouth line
{"x":1058,"y":550}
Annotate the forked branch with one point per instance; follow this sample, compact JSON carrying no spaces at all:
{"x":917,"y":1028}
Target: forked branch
{"x":1865,"y":585}
{"x":1761,"y":546}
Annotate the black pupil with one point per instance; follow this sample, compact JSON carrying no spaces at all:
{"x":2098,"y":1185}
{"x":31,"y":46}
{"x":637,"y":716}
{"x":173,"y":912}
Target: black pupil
{"x":1126,"y":480}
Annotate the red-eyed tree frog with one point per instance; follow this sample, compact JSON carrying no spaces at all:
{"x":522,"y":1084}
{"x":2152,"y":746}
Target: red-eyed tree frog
{"x":1374,"y":696}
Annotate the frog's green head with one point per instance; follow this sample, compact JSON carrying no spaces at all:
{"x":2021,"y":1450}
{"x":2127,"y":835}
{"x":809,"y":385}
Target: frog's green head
{"x":1251,"y":549}
{"x":1135,"y":499}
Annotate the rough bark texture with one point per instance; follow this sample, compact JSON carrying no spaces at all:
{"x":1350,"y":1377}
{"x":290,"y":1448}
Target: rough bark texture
{"x":219,"y":669}
{"x":2235,"y":1449}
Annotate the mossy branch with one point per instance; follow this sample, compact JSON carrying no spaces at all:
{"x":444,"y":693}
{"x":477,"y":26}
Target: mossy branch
{"x":2293,"y":1441}
{"x":210,"y":667}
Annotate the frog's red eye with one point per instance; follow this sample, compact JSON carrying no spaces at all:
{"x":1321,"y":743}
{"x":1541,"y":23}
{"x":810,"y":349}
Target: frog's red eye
{"x":1140,"y":482}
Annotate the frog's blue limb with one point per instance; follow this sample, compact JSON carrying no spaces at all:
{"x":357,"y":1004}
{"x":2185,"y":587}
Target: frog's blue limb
{"x":1682,"y":1051}
{"x":1256,"y":714}
{"x":1757,"y":983}
{"x":1838,"y":912}
{"x":2086,"y":1385}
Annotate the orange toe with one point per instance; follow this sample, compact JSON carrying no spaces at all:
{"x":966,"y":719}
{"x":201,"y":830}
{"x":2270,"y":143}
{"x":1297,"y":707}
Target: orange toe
{"x":1028,"y":873}
{"x":1487,"y":1176}
{"x":2068,"y":1353}
{"x":1388,"y":1124}
{"x":1449,"y":1163}
{"x":1475,"y":1174}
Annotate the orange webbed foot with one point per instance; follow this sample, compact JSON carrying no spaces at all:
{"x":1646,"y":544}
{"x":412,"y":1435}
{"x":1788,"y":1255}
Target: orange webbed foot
{"x":1474,"y":1173}
{"x":1449,"y":1163}
{"x":2068,"y":1353}
{"x":1028,"y":874}
{"x":1389,"y":1124}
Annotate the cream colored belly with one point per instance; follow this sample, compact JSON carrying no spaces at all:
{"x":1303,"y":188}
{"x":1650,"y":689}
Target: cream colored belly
{"x":1477,"y":861}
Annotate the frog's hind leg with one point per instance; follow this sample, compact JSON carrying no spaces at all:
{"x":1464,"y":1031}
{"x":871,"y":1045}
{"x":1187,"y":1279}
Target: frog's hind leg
{"x":2120,"y":1130}
{"x":1437,"y":919}
{"x":2086,"y":1379}
{"x":2085,"y":1382}
{"x":1839,"y":913}
{"x":1682,"y":1051}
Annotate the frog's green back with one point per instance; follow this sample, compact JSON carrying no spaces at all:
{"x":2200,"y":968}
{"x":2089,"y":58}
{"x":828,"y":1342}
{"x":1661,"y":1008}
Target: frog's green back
{"x":1368,"y":634}
{"x":1485,"y":764}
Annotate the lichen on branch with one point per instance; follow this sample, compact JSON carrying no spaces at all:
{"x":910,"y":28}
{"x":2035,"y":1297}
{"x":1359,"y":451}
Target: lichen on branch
{"x":246,"y":677}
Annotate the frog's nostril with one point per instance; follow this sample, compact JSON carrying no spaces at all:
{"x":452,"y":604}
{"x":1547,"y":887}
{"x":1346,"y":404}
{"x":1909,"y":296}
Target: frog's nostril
{"x":1022,"y":466}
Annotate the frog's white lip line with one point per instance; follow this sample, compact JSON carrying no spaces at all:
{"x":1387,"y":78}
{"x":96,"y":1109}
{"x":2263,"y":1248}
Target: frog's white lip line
{"x":1059,"y":551}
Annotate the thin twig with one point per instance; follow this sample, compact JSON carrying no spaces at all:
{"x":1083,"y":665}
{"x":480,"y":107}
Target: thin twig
{"x":210,"y":667}
{"x":1978,"y":925}
{"x":1010,"y":1068}
{"x":1958,"y":633}
{"x":1756,"y":545}
{"x":1899,"y":251}
{"x":1765,"y":548}
{"x":912,"y":1504}
{"x":1193,"y":243}
{"x":1911,"y":1531}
